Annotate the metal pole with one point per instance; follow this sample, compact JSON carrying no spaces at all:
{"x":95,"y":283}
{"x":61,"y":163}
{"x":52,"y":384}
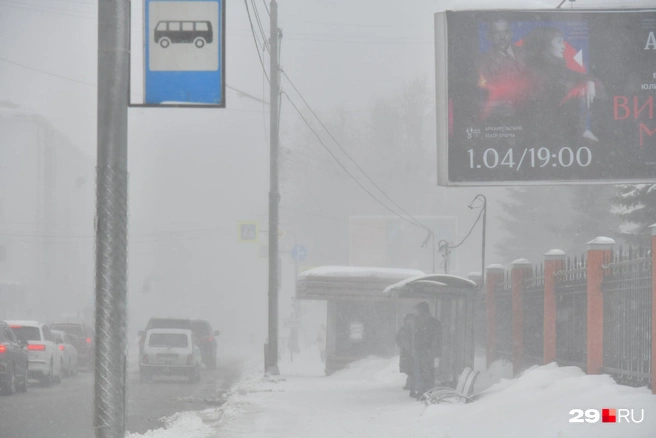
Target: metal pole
{"x":111,"y":219}
{"x":483,"y":244}
{"x":433,"y":244}
{"x":274,"y":197}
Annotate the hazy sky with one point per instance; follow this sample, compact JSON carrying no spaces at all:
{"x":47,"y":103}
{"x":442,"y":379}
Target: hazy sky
{"x":195,"y":173}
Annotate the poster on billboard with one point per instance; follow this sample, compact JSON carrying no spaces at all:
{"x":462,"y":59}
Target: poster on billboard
{"x":546,"y":97}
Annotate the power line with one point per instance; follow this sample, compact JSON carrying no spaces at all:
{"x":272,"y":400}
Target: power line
{"x":48,"y":73}
{"x":257,"y":47}
{"x":342,"y":166}
{"x":468,"y":234}
{"x":256,"y":12}
{"x":349,"y":156}
{"x":266,"y":7}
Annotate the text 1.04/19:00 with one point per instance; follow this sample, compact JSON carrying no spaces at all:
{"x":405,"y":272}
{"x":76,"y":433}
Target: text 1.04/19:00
{"x":542,"y":157}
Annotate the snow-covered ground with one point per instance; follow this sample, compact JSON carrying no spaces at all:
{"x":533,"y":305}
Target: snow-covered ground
{"x":366,"y":400}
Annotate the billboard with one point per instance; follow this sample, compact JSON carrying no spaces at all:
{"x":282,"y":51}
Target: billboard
{"x":543,"y":97}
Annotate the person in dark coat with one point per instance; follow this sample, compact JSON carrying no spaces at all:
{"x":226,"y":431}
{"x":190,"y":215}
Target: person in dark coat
{"x":426,"y":347}
{"x":404,"y":341}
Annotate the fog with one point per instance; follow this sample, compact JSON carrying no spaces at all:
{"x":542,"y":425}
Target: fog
{"x":366,"y":67}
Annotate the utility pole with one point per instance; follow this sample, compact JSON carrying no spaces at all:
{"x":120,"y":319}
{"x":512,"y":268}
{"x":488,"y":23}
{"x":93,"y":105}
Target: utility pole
{"x":111,"y":219}
{"x":271,"y":362}
{"x":483,"y":199}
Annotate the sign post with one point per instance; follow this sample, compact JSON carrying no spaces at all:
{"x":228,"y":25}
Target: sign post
{"x":184,"y":53}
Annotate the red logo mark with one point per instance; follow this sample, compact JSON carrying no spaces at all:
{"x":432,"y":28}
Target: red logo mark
{"x":608,"y":416}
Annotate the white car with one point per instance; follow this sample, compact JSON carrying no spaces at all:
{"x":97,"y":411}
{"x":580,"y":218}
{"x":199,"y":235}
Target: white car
{"x":45,"y":359}
{"x":170,"y":352}
{"x":66,"y":344}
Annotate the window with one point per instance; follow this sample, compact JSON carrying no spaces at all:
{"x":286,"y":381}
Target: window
{"x":161,"y":25}
{"x":202,"y":26}
{"x":174,"y":25}
{"x":27,"y":333}
{"x":47,"y":334}
{"x":187,"y":26}
{"x":175,"y":340}
{"x":9,"y":335}
{"x":75,"y":330}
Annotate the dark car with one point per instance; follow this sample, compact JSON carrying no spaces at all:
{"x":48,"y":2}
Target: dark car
{"x":163,"y":323}
{"x":207,"y":338}
{"x":13,"y":362}
{"x":84,"y":338}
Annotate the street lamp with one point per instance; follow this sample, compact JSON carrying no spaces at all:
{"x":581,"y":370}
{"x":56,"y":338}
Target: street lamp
{"x":483,"y":199}
{"x":443,"y":246}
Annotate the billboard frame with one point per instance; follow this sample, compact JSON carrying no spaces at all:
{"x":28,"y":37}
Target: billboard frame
{"x":441,"y":50}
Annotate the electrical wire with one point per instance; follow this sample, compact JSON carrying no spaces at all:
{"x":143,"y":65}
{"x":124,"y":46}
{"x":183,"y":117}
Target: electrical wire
{"x":419,"y":224}
{"x":256,"y":12}
{"x":257,"y":47}
{"x":266,"y":7}
{"x":342,"y":165}
{"x":449,"y":247}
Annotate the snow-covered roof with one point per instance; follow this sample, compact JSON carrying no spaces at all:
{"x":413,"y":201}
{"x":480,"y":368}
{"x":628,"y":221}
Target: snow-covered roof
{"x":431,"y":283}
{"x":349,"y":282}
{"x":25,"y":323}
{"x":360,"y":272}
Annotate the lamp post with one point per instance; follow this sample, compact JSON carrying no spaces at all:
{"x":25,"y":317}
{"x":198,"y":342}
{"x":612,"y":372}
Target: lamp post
{"x":483,"y":199}
{"x":443,"y":246}
{"x":430,"y":236}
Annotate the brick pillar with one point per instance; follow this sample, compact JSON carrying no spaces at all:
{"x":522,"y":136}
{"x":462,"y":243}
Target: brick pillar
{"x":598,"y":255}
{"x":554,"y":261}
{"x":653,"y":309}
{"x":521,"y":270}
{"x":493,"y":276}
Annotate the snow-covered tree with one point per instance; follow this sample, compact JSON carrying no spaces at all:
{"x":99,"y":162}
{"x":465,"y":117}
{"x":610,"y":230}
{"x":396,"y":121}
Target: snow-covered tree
{"x":635,"y":205}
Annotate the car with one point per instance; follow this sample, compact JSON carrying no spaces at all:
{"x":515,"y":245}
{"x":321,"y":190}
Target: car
{"x":45,"y":359}
{"x":207,"y":339}
{"x":170,"y":351}
{"x":84,"y":338}
{"x":66,"y":344}
{"x":157,"y":323}
{"x":13,"y":362}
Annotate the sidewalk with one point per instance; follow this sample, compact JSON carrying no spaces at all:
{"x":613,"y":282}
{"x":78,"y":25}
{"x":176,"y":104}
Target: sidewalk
{"x":366,"y":400}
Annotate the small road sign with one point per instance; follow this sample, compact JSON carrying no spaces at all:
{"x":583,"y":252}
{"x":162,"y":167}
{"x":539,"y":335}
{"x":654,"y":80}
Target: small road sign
{"x":299,"y":253}
{"x":184,"y":57}
{"x":248,"y":231}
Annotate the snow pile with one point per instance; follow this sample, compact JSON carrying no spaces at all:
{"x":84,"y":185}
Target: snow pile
{"x":366,"y":399}
{"x":180,"y":425}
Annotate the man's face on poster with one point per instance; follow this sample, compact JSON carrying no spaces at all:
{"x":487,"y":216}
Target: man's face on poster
{"x":500,"y":34}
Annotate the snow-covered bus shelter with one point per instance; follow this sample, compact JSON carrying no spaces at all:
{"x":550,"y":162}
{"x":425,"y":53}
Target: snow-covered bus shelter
{"x":361,"y":319}
{"x":452,"y":302}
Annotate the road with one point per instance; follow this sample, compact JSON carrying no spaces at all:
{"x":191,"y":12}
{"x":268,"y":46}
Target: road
{"x":66,"y":410}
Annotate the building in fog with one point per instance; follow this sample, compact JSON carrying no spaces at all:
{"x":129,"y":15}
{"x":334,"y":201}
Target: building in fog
{"x":46,"y":220}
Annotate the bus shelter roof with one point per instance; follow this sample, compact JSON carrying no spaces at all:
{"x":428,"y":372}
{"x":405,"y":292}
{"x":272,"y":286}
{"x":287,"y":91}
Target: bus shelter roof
{"x":429,"y":286}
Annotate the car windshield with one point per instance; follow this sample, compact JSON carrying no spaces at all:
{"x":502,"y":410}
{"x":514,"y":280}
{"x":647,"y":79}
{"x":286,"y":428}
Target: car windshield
{"x":175,"y":340}
{"x":201,"y":328}
{"x":168,"y":323}
{"x":73,"y":329}
{"x":27,"y":333}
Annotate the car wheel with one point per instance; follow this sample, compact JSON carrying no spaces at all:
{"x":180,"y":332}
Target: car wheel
{"x":164,"y":42}
{"x":8,"y":384}
{"x":47,"y":379}
{"x":199,"y":43}
{"x":22,"y":387}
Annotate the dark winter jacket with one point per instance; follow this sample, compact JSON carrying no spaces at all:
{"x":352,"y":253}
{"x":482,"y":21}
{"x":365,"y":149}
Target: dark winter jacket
{"x":404,"y":341}
{"x":428,"y":337}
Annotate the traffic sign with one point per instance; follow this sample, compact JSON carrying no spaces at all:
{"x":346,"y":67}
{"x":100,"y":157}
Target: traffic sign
{"x":184,"y":56}
{"x":248,"y":231}
{"x":299,"y":253}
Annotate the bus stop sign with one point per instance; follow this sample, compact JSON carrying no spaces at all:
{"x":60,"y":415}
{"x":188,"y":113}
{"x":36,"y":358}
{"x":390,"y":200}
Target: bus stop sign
{"x":184,"y":56}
